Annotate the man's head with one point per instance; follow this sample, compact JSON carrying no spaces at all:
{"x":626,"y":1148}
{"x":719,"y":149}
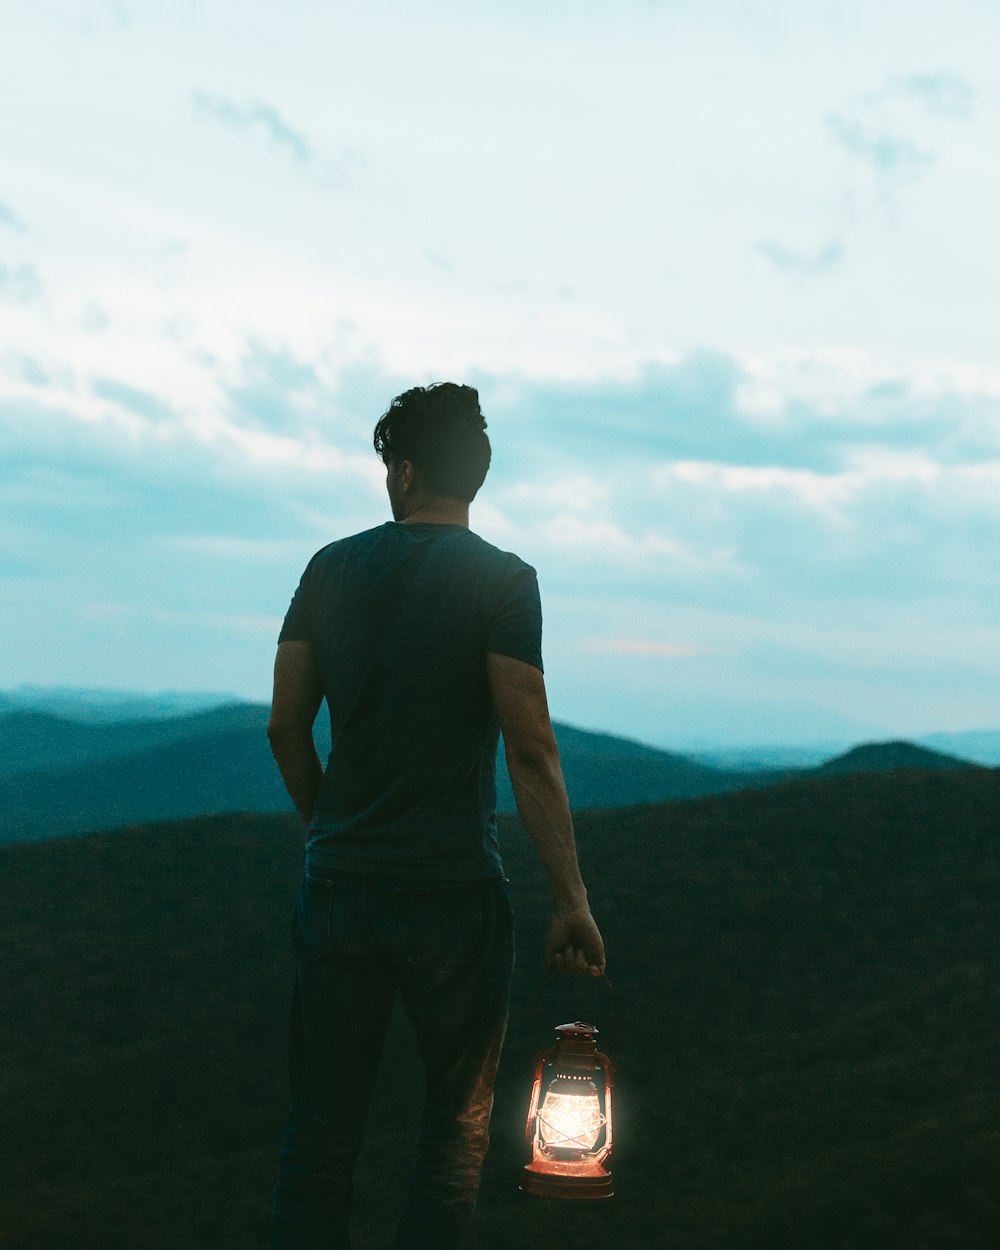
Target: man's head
{"x":440,"y":431}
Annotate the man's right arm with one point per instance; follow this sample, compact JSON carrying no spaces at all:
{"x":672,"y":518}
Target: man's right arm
{"x":297,"y":696}
{"x":574,"y":942}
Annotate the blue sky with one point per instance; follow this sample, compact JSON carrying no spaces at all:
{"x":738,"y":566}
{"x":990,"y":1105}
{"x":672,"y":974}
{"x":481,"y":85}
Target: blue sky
{"x":725,"y":275}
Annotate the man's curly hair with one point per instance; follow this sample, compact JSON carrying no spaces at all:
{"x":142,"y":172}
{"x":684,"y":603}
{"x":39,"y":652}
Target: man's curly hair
{"x":442,"y":431}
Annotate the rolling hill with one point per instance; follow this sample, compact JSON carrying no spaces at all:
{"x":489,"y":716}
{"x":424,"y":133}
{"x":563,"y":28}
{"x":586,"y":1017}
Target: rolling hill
{"x":886,"y":756}
{"x":807,"y":981}
{"x":59,"y":776}
{"x":62,"y":775}
{"x":33,"y":740}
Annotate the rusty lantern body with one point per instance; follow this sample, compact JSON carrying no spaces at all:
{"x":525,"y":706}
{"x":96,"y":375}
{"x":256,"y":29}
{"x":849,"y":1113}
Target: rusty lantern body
{"x":569,"y":1118}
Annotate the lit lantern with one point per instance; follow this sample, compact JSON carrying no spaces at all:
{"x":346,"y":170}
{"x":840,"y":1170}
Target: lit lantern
{"x":569,"y":1119}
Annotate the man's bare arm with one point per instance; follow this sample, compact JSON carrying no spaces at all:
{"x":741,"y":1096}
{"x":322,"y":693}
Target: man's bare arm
{"x":297,"y":696}
{"x":574,"y":943}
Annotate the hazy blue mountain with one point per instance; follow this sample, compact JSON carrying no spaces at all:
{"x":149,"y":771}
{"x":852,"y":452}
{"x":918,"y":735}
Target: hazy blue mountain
{"x":887,"y":756}
{"x":107,"y":706}
{"x":35,"y":740}
{"x":102,"y":706}
{"x":765,"y":758}
{"x":60,"y":776}
{"x":976,"y":748}
{"x":602,"y":770}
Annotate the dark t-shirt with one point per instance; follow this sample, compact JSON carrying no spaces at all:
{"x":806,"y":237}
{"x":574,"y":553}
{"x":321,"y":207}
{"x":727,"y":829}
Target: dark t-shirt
{"x":401,"y":619}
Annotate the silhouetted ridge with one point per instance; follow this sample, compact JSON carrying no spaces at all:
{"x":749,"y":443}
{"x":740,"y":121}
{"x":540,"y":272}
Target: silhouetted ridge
{"x":59,"y":776}
{"x":886,"y":756}
{"x":32,"y":740}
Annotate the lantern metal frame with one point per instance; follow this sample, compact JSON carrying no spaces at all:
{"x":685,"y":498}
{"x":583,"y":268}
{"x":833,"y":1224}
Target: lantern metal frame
{"x":560,"y":1171}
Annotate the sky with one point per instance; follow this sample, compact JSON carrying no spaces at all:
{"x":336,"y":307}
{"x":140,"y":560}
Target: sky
{"x":725,"y":274}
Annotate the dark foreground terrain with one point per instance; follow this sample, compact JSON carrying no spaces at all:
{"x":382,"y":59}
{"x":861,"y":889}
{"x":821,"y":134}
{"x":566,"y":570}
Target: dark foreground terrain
{"x":808,"y":1029}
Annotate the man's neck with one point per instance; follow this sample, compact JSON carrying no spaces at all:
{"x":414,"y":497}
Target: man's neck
{"x":438,"y":513}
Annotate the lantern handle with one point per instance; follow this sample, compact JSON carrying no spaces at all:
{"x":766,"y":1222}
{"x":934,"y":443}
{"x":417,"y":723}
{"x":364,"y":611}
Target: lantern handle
{"x":611,"y":1048}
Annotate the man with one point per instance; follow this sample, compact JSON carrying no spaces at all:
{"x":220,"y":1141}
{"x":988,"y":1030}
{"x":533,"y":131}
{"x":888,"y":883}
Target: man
{"x":425,"y":641}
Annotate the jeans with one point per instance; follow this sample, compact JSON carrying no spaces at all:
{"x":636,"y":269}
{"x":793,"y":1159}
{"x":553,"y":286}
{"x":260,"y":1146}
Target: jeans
{"x":448,"y":948}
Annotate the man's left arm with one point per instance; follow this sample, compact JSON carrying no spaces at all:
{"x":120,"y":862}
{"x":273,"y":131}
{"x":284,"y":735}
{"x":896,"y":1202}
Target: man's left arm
{"x":298,"y":693}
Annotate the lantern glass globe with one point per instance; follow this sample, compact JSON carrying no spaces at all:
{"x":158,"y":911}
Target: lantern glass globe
{"x":570,"y":1119}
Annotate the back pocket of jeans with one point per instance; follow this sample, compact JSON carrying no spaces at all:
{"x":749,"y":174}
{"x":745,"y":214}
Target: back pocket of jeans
{"x":441,"y":926}
{"x":313,"y":909}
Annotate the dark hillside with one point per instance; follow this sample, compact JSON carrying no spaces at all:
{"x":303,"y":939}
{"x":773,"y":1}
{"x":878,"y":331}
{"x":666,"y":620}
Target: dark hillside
{"x":808,"y":1033}
{"x":227,"y":770}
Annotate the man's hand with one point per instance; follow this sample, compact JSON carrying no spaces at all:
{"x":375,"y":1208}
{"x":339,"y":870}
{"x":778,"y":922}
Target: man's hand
{"x":574,"y":943}
{"x":298,"y":693}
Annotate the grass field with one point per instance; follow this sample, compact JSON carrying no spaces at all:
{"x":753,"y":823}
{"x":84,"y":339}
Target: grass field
{"x":808,"y":1024}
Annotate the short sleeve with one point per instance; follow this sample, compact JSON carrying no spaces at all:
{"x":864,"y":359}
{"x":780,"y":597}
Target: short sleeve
{"x":516,"y":627}
{"x":297,"y":626}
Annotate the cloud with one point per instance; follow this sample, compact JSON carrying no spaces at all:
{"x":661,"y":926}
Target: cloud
{"x":20,"y":284}
{"x":267,"y":456}
{"x":667,"y":487}
{"x":811,"y":413}
{"x":96,"y":19}
{"x":668,"y":520}
{"x":134,"y":401}
{"x":257,"y":117}
{"x":94,"y":319}
{"x":10,"y":219}
{"x":945,"y":94}
{"x":28,"y":369}
{"x":275,"y":390}
{"x":631,"y":549}
{"x":802,"y":264}
{"x":892,"y":156}
{"x":438,"y":260}
{"x":886,"y":131}
{"x":892,"y":138}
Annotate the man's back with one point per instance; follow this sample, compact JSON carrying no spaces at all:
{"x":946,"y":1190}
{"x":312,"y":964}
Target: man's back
{"x":400,"y":619}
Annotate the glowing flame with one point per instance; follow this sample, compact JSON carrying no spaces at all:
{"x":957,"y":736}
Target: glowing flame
{"x":571,"y":1121}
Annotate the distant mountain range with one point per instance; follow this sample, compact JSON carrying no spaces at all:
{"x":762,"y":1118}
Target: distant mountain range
{"x":978,"y":747}
{"x":108,"y":706}
{"x":60,"y":776}
{"x":65,"y":775}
